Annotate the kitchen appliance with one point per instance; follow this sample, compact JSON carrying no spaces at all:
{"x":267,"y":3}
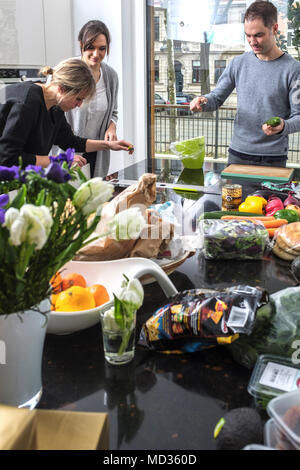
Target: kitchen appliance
{"x":19,"y":74}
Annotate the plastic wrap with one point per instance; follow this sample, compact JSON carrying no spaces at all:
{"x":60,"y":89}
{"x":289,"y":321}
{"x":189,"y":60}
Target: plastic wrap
{"x":287,"y":241}
{"x":233,"y":239}
{"x":196,"y":319}
{"x":276,"y":330}
{"x":191,"y":152}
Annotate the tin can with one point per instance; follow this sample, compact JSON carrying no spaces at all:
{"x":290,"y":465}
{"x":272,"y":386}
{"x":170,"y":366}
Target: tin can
{"x":231,"y":197}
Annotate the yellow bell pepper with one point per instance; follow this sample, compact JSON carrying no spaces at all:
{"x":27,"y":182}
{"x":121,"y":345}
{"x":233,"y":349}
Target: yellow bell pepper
{"x":254,"y":204}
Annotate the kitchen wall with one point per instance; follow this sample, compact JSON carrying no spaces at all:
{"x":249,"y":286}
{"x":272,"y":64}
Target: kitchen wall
{"x":34,"y":33}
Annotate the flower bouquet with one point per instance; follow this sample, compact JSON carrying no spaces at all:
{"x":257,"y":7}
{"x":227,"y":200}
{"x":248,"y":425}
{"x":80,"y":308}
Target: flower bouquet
{"x":44,"y":224}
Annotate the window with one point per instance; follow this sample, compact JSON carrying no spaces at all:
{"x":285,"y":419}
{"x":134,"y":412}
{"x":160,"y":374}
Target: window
{"x":156,"y":70}
{"x":220,"y":66}
{"x":156,"y":28}
{"x":196,"y":71}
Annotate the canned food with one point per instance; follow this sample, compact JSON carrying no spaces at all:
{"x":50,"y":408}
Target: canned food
{"x":231,"y":196}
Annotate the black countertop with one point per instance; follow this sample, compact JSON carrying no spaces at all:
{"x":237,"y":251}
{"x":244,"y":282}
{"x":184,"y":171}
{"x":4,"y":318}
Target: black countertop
{"x":159,"y":401}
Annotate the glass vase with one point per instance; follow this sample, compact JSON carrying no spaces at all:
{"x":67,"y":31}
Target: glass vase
{"x":118,"y":344}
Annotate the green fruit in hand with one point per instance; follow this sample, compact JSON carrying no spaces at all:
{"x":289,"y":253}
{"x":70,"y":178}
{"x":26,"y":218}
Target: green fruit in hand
{"x":273,"y":121}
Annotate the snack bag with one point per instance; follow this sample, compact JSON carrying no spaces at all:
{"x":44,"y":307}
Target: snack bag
{"x":191,"y":152}
{"x":196,"y":319}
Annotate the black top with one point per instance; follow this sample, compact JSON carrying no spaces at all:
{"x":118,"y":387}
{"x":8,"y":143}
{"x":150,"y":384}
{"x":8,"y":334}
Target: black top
{"x":28,"y":129}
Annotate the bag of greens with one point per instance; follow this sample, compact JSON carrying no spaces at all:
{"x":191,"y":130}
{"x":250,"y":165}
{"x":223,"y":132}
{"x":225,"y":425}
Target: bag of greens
{"x":191,"y":152}
{"x":276,"y":330}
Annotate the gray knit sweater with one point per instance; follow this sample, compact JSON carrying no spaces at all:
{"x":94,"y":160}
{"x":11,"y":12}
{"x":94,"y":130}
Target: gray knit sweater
{"x":264,"y":89}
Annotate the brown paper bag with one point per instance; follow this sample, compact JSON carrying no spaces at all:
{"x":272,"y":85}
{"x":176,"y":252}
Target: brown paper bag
{"x":141,"y":194}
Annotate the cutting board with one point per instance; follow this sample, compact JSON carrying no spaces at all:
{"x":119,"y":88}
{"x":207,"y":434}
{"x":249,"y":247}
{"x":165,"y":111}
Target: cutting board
{"x":266,"y":173}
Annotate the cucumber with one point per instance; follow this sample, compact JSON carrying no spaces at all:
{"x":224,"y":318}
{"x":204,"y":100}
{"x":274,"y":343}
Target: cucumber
{"x":219,"y":214}
{"x":273,"y":121}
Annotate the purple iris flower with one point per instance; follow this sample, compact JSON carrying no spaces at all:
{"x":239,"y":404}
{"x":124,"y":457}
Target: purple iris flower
{"x":8,"y":173}
{"x":4,"y":199}
{"x":68,"y":157}
{"x":56,"y":173}
{"x":36,"y":168}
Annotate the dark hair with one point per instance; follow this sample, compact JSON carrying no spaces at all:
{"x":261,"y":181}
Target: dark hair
{"x":90,"y":31}
{"x":264,"y":10}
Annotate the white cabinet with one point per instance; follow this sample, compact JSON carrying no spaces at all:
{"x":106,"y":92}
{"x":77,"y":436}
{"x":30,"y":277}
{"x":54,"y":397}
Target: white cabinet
{"x":35,"y":32}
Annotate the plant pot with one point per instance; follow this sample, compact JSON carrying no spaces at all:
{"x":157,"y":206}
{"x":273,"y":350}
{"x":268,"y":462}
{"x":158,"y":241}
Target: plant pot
{"x":22,"y":337}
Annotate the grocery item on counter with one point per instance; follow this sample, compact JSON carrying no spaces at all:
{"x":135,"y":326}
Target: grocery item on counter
{"x":289,"y":214}
{"x":141,"y":194}
{"x":254,"y":204}
{"x":231,"y":196}
{"x":191,"y":152}
{"x":295,"y":268}
{"x":275,"y":438}
{"x":285,"y":411}
{"x":272,"y":375}
{"x":239,"y":427}
{"x":197,"y":319}
{"x":220,"y":214}
{"x":233,"y":239}
{"x":269,"y":222}
{"x":276,"y":328}
{"x":287,"y":241}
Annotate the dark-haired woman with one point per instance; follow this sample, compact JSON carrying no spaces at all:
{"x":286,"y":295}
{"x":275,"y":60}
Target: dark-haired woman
{"x":97,"y":120}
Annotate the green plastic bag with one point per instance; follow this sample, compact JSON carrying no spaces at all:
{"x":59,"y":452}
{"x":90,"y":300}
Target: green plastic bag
{"x":191,"y":152}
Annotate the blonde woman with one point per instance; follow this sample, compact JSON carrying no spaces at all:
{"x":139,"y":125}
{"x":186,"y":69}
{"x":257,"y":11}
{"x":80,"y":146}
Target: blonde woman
{"x":32,"y":116}
{"x":98,"y":119}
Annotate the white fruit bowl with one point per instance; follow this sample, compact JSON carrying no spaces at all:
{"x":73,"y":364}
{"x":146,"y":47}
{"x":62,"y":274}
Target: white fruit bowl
{"x":110,"y":275}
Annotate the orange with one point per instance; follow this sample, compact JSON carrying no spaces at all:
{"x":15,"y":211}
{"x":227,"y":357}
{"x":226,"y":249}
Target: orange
{"x":53,"y":300}
{"x":56,"y":282}
{"x":100,"y":294}
{"x":74,"y":299}
{"x":73,"y":279}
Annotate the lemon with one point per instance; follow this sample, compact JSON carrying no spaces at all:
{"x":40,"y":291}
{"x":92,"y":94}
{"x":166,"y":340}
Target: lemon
{"x":74,"y":299}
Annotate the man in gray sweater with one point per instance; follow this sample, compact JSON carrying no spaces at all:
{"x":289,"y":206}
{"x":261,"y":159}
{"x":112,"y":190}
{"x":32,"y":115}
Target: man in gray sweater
{"x":267,"y":82}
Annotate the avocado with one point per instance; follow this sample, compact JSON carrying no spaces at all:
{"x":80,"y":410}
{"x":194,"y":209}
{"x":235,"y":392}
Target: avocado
{"x":238,"y":428}
{"x":295,"y":268}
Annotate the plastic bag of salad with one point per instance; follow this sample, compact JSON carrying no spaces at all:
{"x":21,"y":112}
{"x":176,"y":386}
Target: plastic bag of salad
{"x":191,"y":152}
{"x":233,"y":239}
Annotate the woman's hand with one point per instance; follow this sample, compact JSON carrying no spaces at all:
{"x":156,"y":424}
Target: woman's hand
{"x":271,"y":130}
{"x":121,"y":145}
{"x":111,"y":132}
{"x":79,"y":160}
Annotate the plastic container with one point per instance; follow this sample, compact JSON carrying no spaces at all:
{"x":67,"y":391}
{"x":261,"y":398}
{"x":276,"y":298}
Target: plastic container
{"x":257,"y":447}
{"x":272,"y":376}
{"x":285,"y":410}
{"x":275,"y":438}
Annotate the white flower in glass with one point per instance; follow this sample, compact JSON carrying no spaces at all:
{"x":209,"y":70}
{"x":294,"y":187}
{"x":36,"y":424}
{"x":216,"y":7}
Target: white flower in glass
{"x":92,"y":194}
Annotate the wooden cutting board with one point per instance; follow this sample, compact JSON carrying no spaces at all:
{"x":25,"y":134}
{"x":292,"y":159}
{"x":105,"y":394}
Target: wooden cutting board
{"x":266,"y":173}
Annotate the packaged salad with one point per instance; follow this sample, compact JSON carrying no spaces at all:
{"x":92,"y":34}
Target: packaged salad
{"x":233,"y":239}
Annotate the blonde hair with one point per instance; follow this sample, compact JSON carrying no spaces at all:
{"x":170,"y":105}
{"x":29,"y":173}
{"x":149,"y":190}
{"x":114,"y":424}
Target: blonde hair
{"x":73,"y":76}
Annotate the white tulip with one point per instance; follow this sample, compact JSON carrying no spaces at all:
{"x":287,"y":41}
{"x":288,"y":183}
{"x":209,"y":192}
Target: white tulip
{"x":132,"y":294}
{"x":31,"y":224}
{"x":92,"y":194}
{"x":109,"y":322}
{"x":127,"y":225}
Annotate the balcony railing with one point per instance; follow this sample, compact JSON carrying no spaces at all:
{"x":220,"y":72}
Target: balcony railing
{"x":175,"y":123}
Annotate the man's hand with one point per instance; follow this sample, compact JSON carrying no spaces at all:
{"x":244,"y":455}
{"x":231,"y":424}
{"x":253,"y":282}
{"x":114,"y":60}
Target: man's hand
{"x":196,"y":104}
{"x":271,"y":130}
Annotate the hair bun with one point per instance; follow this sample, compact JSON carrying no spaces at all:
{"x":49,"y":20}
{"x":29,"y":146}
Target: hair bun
{"x":46,"y":71}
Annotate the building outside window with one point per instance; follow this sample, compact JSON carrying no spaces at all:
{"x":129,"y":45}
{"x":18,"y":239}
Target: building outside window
{"x":196,"y":78}
{"x":220,"y":66}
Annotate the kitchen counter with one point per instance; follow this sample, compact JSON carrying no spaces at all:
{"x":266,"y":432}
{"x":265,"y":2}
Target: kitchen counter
{"x":160,"y":401}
